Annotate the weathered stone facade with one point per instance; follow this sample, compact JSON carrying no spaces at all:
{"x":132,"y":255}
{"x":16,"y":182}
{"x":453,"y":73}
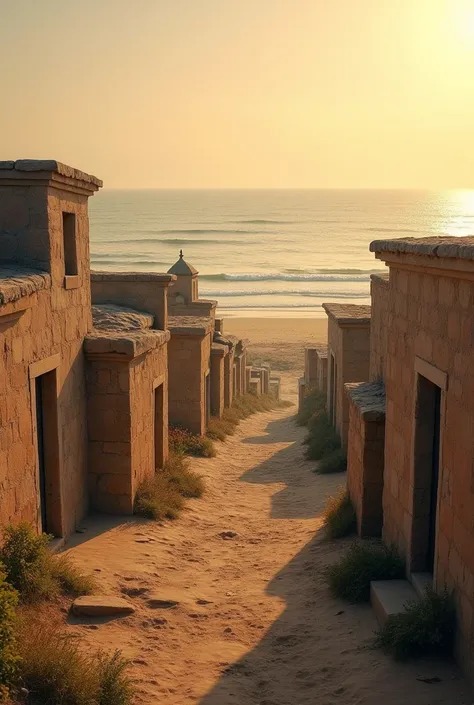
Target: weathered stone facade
{"x":365,"y":454}
{"x":44,"y":317}
{"x":379,"y":289}
{"x":428,"y":496}
{"x":189,"y":357}
{"x":348,"y":358}
{"x":73,"y":434}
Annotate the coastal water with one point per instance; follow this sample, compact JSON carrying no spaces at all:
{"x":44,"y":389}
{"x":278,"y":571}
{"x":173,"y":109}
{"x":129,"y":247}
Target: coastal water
{"x":269,"y":253}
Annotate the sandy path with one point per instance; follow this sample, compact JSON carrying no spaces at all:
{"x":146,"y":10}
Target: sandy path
{"x":269,"y":633}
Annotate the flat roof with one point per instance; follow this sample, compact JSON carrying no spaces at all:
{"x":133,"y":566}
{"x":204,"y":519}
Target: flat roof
{"x":369,"y":397}
{"x":348,"y":313}
{"x":34,"y":165}
{"x":189,"y":325}
{"x":102,"y":276}
{"x":17,"y":282}
{"x":110,"y":317}
{"x":448,"y":247}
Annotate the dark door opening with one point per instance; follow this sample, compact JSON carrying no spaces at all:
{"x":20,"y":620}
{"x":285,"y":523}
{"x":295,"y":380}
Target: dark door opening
{"x":159,"y":427}
{"x":47,"y":442}
{"x":426,"y":475}
{"x":207,"y":389}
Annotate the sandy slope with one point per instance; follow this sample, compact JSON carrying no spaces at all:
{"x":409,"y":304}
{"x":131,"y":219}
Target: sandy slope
{"x":255,"y":624}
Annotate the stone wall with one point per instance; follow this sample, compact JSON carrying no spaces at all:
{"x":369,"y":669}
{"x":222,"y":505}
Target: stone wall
{"x":47,"y":337}
{"x":141,"y":291}
{"x":365,"y":454}
{"x":229,"y":378}
{"x":431,"y":337}
{"x":188,"y":362}
{"x":379,"y":326}
{"x":217,"y":379}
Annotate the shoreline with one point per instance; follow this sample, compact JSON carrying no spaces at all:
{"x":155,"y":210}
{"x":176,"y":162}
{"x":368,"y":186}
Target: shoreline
{"x":278,"y":341}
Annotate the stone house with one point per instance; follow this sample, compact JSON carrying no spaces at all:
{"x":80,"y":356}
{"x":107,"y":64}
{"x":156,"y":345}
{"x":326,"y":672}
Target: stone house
{"x":206,"y":369}
{"x":423,"y":350}
{"x":83,"y":389}
{"x":348,"y":358}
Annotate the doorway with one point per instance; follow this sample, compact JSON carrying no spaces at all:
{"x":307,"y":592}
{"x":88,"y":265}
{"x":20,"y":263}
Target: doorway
{"x":159,"y":427}
{"x":426,"y":475}
{"x":47,"y":446}
{"x":207,"y":388}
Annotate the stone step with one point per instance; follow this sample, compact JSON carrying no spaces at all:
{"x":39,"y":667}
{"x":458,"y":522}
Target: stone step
{"x":421,"y":581}
{"x":389,"y":597}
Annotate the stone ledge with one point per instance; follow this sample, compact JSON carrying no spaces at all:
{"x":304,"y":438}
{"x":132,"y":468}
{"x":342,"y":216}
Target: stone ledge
{"x":451,"y":247}
{"x":368,"y":397}
{"x":189,"y":325}
{"x":219,"y":349}
{"x":102,"y":276}
{"x":16,"y":282}
{"x":51,"y":165}
{"x":348,"y":314}
{"x":120,"y":318}
{"x":131,"y":345}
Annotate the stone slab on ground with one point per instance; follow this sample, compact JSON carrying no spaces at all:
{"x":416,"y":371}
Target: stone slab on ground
{"x":101,"y":606}
{"x":389,"y":597}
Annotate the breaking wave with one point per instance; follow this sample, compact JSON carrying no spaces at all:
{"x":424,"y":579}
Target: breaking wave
{"x":284,"y":292}
{"x":334,"y":276}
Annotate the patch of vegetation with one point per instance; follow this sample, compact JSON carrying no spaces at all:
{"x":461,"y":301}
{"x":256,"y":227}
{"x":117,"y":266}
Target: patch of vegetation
{"x":336,"y":461}
{"x":350,"y":577}
{"x":162,"y":497}
{"x":314,"y":401}
{"x":34,"y":572}
{"x":339,"y":515}
{"x":219,"y":429}
{"x":323,"y":438}
{"x":426,"y":627}
{"x":183,"y":442}
{"x":55,"y":669}
{"x":8,"y":654}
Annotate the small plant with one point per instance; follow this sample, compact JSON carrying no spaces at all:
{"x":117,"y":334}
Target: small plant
{"x":183,"y":442}
{"x":219,"y":429}
{"x":55,"y":669}
{"x":336,"y":461}
{"x":162,"y":496}
{"x":323,"y":438}
{"x":351,"y":576}
{"x":34,"y":572}
{"x":8,"y":654}
{"x":313,"y":402}
{"x":339,"y":515}
{"x":426,"y":627}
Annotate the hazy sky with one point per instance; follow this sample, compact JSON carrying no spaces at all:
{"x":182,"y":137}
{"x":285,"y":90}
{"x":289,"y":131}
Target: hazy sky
{"x":242,"y":93}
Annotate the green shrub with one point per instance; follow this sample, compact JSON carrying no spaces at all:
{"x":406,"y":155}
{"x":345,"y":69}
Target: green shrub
{"x":8,"y":654}
{"x":427,"y":627}
{"x":351,"y":576}
{"x":34,"y":572}
{"x":336,"y":461}
{"x":323,"y":438}
{"x":313,"y":402}
{"x":242,"y":407}
{"x":162,"y":497}
{"x":182,"y":441}
{"x":339,"y":515}
{"x":55,"y":669}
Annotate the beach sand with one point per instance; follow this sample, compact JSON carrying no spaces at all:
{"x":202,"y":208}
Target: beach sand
{"x":279,"y":341}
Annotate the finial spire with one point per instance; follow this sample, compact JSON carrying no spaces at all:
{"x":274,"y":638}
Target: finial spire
{"x":181,"y":254}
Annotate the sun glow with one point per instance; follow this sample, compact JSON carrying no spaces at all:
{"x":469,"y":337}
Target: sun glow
{"x":465,"y":21}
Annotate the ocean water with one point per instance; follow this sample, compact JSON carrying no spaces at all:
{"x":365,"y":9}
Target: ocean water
{"x":269,"y":253}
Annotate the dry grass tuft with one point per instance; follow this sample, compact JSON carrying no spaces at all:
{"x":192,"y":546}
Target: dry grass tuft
{"x":183,"y":442}
{"x":162,"y":497}
{"x":339,"y":515}
{"x":55,"y":669}
{"x":335,"y":461}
